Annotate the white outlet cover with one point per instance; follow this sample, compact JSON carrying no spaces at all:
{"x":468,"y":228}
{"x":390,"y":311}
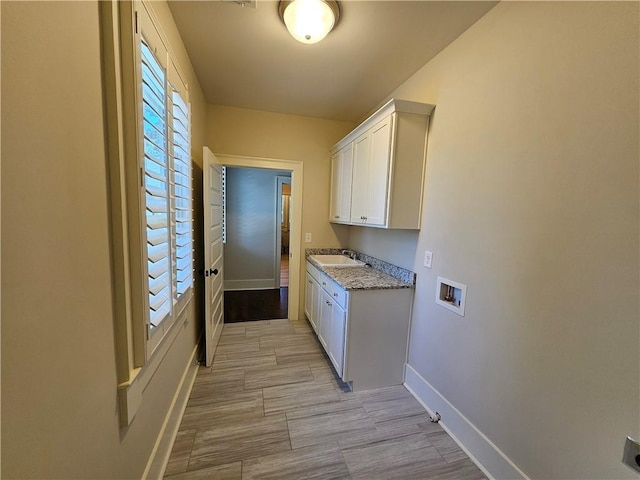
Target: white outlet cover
{"x":428,"y":258}
{"x":307,"y":237}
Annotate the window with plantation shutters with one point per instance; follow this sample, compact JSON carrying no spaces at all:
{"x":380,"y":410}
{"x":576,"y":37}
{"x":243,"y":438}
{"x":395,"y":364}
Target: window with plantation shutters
{"x":166,"y":170}
{"x":148,"y":119}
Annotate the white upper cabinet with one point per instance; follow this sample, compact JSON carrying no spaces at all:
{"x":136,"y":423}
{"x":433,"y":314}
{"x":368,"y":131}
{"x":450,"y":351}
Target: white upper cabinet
{"x":387,"y":153}
{"x":341,"y":171}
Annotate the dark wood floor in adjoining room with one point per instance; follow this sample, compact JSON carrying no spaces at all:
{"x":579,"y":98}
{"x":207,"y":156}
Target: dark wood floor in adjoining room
{"x":250,"y":305}
{"x":270,"y":408}
{"x":267,"y":304}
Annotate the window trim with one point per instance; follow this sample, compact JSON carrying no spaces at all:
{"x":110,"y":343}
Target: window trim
{"x":135,"y":366}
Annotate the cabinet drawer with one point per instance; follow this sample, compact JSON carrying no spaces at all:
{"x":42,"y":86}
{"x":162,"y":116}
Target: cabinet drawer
{"x":314,"y":272}
{"x":338,"y":294}
{"x":335,"y":292}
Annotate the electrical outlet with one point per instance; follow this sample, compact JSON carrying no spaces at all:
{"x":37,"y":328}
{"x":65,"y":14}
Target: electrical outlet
{"x":307,"y":237}
{"x":428,"y":257}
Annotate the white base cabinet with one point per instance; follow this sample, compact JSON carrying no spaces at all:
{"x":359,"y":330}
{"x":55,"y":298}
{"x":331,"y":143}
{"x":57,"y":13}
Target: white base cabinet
{"x":364,"y":332}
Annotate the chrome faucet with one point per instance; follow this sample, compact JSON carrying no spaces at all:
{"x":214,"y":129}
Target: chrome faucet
{"x":349,"y":253}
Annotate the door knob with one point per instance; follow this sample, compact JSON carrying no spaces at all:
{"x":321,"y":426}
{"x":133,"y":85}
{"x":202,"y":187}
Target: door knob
{"x":213,"y":271}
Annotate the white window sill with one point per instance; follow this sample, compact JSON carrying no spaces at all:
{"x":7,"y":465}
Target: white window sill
{"x":130,"y":392}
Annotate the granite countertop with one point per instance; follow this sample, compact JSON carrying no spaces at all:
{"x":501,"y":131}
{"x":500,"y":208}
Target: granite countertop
{"x":365,"y":278}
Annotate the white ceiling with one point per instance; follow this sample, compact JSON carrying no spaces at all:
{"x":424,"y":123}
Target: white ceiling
{"x":245,"y":57}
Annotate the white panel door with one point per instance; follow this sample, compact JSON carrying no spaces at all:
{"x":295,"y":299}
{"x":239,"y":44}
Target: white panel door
{"x":379,"y":162}
{"x":213,"y":258}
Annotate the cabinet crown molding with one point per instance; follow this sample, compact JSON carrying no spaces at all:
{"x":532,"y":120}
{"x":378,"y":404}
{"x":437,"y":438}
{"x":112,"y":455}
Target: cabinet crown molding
{"x":393,"y":105}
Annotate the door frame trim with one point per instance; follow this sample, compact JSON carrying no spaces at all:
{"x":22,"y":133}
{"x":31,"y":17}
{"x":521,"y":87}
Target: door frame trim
{"x":295,"y":238}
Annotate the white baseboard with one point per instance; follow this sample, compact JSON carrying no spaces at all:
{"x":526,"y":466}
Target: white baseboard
{"x":157,"y":463}
{"x":489,"y":458}
{"x":252,"y":284}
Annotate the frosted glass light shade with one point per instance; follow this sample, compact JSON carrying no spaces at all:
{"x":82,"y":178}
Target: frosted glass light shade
{"x":309,"y":21}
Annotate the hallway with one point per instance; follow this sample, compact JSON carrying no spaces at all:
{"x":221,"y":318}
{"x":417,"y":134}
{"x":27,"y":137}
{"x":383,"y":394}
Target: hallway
{"x":271,"y":408}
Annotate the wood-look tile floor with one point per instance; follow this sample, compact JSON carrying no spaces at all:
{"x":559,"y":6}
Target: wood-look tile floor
{"x":271,"y":407}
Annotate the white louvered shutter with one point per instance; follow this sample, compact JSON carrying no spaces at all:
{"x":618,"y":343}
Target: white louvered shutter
{"x":157,"y":187}
{"x":182,"y":237}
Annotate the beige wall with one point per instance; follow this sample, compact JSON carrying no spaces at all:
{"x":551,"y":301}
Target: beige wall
{"x":237,"y":131}
{"x":59,"y":411}
{"x":532,"y":201}
{"x":394,"y":246}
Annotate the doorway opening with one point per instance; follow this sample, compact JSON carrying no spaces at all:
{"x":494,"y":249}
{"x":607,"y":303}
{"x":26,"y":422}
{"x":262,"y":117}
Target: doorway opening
{"x":250,"y":290}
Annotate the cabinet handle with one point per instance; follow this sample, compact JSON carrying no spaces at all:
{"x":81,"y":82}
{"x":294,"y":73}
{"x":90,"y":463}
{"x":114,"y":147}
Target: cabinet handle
{"x":337,"y":216}
{"x":335,"y":294}
{"x":324,"y":284}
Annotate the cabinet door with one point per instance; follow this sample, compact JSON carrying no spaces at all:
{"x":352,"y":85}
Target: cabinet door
{"x":315,"y":308}
{"x":337,"y":336}
{"x":360,"y":182}
{"x":346,"y":172}
{"x":336,"y":187}
{"x":324,"y":321}
{"x":378,"y":173}
{"x":341,"y":173}
{"x":308,"y":301}
{"x":311,"y":305}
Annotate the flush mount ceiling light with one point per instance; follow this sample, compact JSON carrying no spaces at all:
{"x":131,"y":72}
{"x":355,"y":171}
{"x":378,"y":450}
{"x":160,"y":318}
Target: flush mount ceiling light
{"x":309,"y":21}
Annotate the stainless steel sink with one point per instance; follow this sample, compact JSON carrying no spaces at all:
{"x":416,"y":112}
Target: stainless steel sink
{"x":336,"y":261}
